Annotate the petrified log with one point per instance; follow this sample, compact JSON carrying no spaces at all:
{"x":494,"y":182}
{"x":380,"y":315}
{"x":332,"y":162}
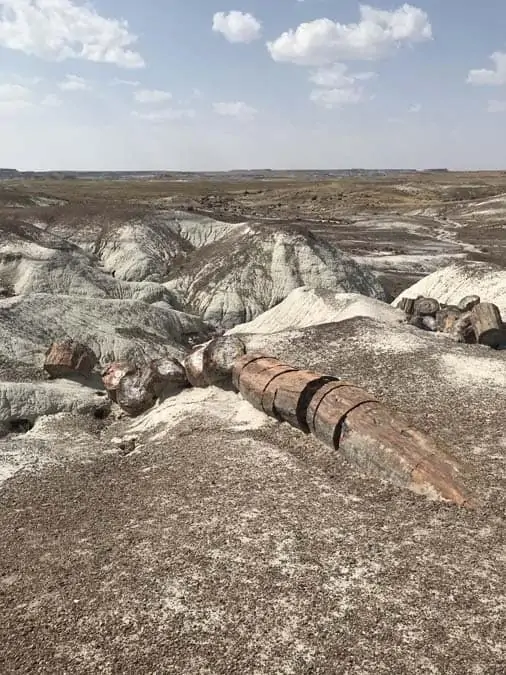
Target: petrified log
{"x":252,"y":374}
{"x":429,"y":323}
{"x":407,"y":305}
{"x":425,"y":307}
{"x":288,"y":395}
{"x":112,"y":375}
{"x":68,"y":357}
{"x":446,"y":318}
{"x":194,"y":368}
{"x":219,"y":356}
{"x":138,"y":391}
{"x":487,"y":324}
{"x":168,"y":375}
{"x":468,"y":302}
{"x":350,"y":419}
{"x":462,"y":329}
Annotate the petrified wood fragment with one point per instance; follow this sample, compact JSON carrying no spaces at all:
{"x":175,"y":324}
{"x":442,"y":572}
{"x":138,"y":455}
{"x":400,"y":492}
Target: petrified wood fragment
{"x":487,"y":324}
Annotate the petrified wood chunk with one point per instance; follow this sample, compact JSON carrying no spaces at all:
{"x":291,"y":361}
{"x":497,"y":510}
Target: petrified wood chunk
{"x":462,"y":329}
{"x":487,"y":324}
{"x":467,"y":303}
{"x":446,"y":318}
{"x":67,"y":357}
{"x":138,"y":391}
{"x":219,"y":357}
{"x":252,"y":374}
{"x":168,"y":375}
{"x":425,"y":307}
{"x":194,"y":368}
{"x":112,"y":375}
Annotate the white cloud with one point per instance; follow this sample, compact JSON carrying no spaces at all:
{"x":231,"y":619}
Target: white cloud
{"x":13,"y":98}
{"x":237,"y":109}
{"x":323,"y":42}
{"x":415,"y":108}
{"x":484,"y":76}
{"x":51,"y":101}
{"x":152,"y":96}
{"x":496,"y":106}
{"x":237,"y":26}
{"x":336,"y":98}
{"x":118,"y":81}
{"x":74,"y":83}
{"x":337,"y":76}
{"x":60,"y":29}
{"x":165,"y":114}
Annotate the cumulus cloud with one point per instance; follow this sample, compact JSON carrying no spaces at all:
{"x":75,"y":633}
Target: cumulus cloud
{"x":14,"y":97}
{"x":337,"y":76}
{"x":74,"y":83}
{"x":152,"y":96}
{"x":336,"y":98}
{"x":494,"y":76}
{"x":322,"y":41}
{"x":165,"y":114}
{"x":496,"y":106}
{"x":238,"y":109}
{"x":61,"y":29}
{"x":237,"y":26}
{"x":51,"y":101}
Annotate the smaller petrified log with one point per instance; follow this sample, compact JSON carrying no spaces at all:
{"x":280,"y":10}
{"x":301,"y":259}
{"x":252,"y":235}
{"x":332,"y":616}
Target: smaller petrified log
{"x":487,"y":324}
{"x":416,"y":321}
{"x":219,"y":357}
{"x":69,"y":357}
{"x":407,"y":305}
{"x":446,"y":318}
{"x":429,"y":323}
{"x":462,"y":329}
{"x":425,"y":307}
{"x":169,"y":375}
{"x":468,"y":302}
{"x":113,"y":373}
{"x":138,"y":391}
{"x":194,"y":368}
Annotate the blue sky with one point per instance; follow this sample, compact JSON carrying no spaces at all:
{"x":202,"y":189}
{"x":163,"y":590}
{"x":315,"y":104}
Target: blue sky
{"x":203,"y":84}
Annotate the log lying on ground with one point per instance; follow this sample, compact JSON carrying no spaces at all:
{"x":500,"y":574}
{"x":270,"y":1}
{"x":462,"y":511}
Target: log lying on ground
{"x":468,"y":302}
{"x":425,"y":307}
{"x":218,"y":358}
{"x":487,"y":324}
{"x":350,"y":419}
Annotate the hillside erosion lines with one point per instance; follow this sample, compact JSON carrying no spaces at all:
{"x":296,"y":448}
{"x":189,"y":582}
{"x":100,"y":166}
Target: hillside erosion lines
{"x":353,"y":421}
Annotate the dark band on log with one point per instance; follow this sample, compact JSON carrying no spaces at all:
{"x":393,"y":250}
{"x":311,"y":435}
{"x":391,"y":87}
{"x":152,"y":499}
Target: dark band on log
{"x":287,"y":396}
{"x":487,"y":324}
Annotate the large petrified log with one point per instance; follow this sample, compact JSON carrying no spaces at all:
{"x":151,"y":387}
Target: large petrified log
{"x":487,"y":324}
{"x":350,"y":419}
{"x":218,"y":358}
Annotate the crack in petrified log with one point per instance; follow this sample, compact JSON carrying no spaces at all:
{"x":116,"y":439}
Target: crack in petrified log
{"x":351,"y":420}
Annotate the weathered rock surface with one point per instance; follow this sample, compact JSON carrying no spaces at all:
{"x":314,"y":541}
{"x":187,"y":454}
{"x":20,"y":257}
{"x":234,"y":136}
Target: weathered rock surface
{"x":218,"y":358}
{"x":114,"y":330}
{"x":68,"y":357}
{"x":306,"y":306}
{"x":255,"y":267}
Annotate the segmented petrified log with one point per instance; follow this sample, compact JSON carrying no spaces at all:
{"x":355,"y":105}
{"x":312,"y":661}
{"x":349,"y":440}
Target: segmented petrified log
{"x":219,"y":356}
{"x":468,"y":302}
{"x":407,"y":305}
{"x":425,"y":307}
{"x":69,"y":357}
{"x":350,"y":419}
{"x":446,"y":318}
{"x":487,"y":324}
